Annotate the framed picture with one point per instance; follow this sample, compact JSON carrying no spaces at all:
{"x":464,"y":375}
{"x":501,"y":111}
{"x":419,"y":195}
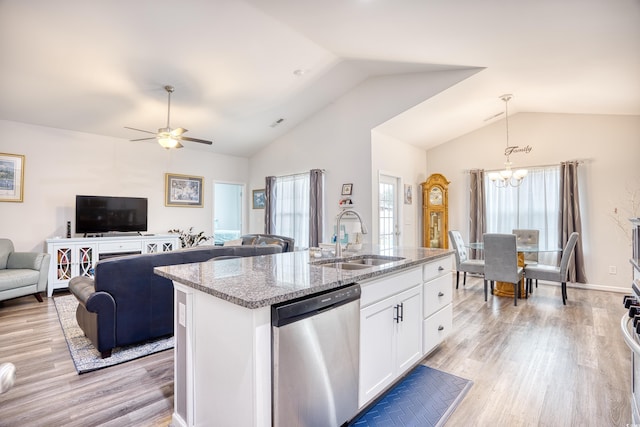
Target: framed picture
{"x":258,"y":199}
{"x":183,"y":190}
{"x":408,"y":194}
{"x":347,"y":189}
{"x":11,"y":177}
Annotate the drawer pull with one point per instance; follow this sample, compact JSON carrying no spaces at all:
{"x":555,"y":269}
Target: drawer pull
{"x":440,"y":294}
{"x":441,"y":328}
{"x":440,"y":268}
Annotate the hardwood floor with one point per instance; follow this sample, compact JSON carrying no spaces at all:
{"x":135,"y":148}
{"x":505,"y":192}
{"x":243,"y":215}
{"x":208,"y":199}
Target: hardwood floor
{"x":537,"y":364}
{"x":49,"y":392}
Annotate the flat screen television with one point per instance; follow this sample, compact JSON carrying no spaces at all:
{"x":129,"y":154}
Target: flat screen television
{"x":103,"y":214}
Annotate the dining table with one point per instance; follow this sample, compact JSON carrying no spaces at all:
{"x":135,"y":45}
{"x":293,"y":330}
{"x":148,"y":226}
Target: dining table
{"x":504,"y":289}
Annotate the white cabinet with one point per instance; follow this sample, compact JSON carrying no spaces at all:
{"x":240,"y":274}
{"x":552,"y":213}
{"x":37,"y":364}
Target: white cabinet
{"x":437,"y":303}
{"x":390,"y":331}
{"x":78,"y":256}
{"x":69,"y":260}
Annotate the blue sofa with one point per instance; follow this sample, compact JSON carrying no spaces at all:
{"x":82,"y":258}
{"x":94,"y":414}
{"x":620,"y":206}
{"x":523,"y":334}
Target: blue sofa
{"x":127,"y":303}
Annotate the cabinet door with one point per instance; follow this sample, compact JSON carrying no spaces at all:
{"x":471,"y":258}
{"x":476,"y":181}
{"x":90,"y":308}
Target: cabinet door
{"x":63,"y":260}
{"x":377,"y":334}
{"x":409,"y":329}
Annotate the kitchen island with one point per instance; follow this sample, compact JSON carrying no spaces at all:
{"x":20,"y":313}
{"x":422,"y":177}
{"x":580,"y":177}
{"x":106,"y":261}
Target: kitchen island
{"x":223,"y":324}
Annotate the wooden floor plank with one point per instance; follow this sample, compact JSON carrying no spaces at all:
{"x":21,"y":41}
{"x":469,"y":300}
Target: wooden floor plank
{"x":537,"y":364}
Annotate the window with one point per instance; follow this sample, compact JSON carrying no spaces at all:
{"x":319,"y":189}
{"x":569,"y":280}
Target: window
{"x":292,"y":208}
{"x":535,"y":204}
{"x":388,"y":212}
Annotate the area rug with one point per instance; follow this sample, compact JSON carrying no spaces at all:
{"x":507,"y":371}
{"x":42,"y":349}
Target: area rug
{"x":425,"y":397}
{"x":85,"y":356}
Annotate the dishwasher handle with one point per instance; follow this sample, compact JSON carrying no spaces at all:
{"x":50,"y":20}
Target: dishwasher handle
{"x":289,"y":312}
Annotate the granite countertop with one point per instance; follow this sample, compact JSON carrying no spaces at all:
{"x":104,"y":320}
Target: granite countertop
{"x":255,"y":282}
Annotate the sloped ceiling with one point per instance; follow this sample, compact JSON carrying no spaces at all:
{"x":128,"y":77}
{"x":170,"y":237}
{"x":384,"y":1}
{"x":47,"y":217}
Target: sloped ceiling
{"x":239,"y":66}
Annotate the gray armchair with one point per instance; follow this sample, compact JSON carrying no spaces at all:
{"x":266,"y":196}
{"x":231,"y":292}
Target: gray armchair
{"x":501,"y":262}
{"x":551,"y":272}
{"x":463,"y":263}
{"x":22,"y":273}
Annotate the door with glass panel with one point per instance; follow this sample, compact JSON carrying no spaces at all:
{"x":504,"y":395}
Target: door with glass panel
{"x":388,"y":227}
{"x":228,"y":211}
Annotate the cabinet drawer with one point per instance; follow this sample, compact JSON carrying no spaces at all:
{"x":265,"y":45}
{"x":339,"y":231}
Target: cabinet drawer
{"x":119,"y":246}
{"x":379,"y":289}
{"x":436,"y":328}
{"x":437,"y":293}
{"x":436,"y":268}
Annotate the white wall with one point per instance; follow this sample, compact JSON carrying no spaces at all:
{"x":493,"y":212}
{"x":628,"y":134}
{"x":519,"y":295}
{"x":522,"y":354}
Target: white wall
{"x":60,"y":164}
{"x":611,"y":150}
{"x":338,"y":139}
{"x":396,"y":158}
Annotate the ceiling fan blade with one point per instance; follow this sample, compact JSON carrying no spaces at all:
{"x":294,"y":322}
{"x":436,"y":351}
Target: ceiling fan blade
{"x":179,"y":145}
{"x":140,"y":130}
{"x":143,"y":139}
{"x":178,"y":131}
{"x":201,"y":141}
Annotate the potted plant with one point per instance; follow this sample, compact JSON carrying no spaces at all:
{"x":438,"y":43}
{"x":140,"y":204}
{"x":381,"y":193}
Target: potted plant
{"x":189,"y":239}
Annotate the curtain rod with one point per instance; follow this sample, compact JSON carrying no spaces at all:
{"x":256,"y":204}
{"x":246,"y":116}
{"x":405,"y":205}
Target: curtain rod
{"x":579,"y":161}
{"x":299,"y":173}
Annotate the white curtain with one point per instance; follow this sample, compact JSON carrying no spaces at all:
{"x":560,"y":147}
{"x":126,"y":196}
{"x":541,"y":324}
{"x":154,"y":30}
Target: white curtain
{"x":292,"y":208}
{"x":533,"y":205}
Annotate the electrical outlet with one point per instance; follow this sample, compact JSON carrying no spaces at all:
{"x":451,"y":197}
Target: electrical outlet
{"x":613,"y":269}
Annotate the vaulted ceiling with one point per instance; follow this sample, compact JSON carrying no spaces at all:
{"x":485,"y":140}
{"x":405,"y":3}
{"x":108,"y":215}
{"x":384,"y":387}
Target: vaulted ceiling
{"x":240,"y":66}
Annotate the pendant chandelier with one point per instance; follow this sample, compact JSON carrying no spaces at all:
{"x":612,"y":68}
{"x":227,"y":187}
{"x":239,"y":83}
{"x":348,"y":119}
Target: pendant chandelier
{"x":507,"y":177}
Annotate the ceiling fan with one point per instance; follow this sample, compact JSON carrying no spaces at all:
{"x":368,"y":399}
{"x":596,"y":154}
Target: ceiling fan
{"x":166,"y":136}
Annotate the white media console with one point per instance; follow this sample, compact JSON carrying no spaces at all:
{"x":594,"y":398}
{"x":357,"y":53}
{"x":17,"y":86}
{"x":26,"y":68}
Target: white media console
{"x":78,"y":256}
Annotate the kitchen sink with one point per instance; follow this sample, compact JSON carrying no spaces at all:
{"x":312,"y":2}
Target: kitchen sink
{"x":346,"y":265}
{"x":359,"y":262}
{"x":373,"y":260}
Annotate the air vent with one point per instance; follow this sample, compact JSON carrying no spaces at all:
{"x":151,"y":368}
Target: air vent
{"x":277,"y":122}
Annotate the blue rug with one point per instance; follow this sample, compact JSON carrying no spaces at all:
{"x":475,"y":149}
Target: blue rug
{"x":425,"y":397}
{"x":84,"y":355}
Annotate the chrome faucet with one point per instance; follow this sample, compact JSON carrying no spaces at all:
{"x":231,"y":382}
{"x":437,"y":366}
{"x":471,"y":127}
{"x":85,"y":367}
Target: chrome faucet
{"x":363,"y":229}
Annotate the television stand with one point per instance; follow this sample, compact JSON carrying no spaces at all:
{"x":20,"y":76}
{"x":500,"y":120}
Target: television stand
{"x":78,"y":256}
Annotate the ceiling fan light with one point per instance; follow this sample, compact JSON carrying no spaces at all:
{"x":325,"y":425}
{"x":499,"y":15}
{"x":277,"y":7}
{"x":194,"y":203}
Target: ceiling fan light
{"x":167,"y":142}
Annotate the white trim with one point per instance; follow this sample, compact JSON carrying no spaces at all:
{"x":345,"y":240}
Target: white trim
{"x":589,"y":286}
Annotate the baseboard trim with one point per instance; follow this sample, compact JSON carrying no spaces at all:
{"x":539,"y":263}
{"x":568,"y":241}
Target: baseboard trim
{"x":590,"y":287}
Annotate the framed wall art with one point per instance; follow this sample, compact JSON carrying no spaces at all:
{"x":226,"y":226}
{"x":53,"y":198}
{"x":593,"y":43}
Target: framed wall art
{"x":347,"y":189}
{"x":408,"y":194}
{"x":258,"y":199}
{"x":183,"y":190}
{"x":11,"y":177}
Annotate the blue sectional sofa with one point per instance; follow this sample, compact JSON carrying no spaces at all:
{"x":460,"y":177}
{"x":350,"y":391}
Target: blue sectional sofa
{"x":126,"y":303}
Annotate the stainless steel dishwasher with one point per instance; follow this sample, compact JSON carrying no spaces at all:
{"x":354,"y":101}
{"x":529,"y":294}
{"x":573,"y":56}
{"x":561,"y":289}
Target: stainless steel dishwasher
{"x":315,"y":349}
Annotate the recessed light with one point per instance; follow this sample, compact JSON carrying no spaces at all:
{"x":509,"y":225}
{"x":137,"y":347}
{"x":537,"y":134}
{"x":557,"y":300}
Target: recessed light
{"x":299,"y":72}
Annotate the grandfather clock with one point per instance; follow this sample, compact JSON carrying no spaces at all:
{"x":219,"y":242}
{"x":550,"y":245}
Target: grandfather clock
{"x":435,"y":212}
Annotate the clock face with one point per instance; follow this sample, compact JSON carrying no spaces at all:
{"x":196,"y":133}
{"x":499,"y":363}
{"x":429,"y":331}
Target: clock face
{"x":435,"y":196}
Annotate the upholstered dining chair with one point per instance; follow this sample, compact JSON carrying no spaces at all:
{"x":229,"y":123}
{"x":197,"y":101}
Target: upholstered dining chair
{"x":501,"y":262}
{"x":552,"y":273}
{"x":463,"y":263}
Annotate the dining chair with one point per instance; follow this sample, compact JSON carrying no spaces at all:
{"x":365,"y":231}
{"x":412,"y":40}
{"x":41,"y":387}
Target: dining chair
{"x":501,"y":262}
{"x":528,"y":238}
{"x":554,"y":273}
{"x":463,"y":263}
